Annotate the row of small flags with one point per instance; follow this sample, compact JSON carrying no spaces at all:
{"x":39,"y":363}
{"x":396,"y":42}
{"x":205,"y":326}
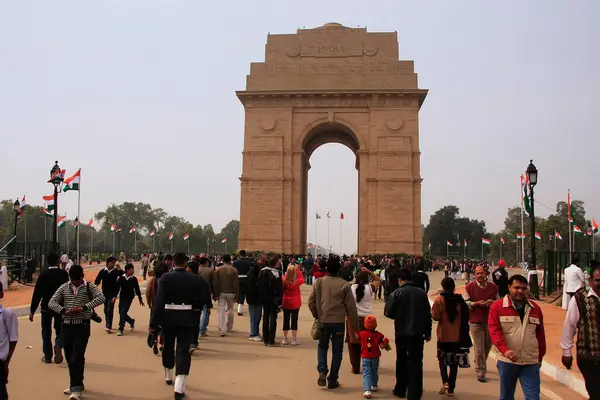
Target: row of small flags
{"x":538,"y":236}
{"x":114,"y":228}
{"x":317,"y":216}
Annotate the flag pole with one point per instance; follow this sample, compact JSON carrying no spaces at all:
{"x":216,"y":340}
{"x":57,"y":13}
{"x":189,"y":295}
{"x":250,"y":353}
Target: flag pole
{"x":135,"y":241}
{"x":45,"y":228}
{"x":188,"y":246}
{"x":500,"y":249}
{"x":92,"y":241}
{"x":114,"y":234}
{"x":341,"y":235}
{"x":328,"y":244}
{"x":523,"y":186}
{"x":78,"y":216}
{"x":66,"y":232}
{"x":570,"y":228}
{"x":316,"y":235}
{"x":482,"y":250}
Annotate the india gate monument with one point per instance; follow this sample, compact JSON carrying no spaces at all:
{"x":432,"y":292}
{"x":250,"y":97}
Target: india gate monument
{"x":331,"y":84}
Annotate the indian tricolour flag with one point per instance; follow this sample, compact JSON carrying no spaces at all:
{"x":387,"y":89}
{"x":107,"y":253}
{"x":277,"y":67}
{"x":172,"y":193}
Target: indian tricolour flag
{"x":502,"y":240}
{"x":113,"y":228}
{"x":132,"y":229}
{"x":521,"y":236}
{"x":61,"y":221}
{"x":76,"y":222}
{"x":594,"y":223}
{"x":485,"y":241}
{"x":72,"y":182}
{"x":538,"y":236}
{"x":186,"y":236}
{"x":152,"y":233}
{"x":91,"y":223}
{"x":49,"y":200}
{"x":46,"y":212}
{"x":557,"y":235}
{"x":448,"y":243}
{"x":224,"y":240}
{"x":576,"y":229}
{"x":171,"y":236}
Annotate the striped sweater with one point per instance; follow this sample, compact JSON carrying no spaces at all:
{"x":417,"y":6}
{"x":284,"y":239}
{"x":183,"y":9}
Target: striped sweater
{"x":65,"y":298}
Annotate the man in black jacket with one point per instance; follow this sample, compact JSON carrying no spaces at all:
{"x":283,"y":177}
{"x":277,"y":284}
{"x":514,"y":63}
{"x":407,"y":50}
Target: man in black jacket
{"x":109,"y":277}
{"x":180,"y":298}
{"x":253,"y":299}
{"x":242,"y":265}
{"x":270,"y":290}
{"x":409,"y":307}
{"x":421,"y":279}
{"x":391,"y":278}
{"x":45,"y":287}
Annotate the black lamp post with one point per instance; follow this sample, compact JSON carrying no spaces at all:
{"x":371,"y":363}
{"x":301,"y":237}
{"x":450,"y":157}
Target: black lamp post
{"x":17,"y":209}
{"x":532,"y":175}
{"x":56,"y":178}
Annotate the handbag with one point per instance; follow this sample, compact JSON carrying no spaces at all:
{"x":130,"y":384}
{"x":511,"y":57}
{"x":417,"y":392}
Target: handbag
{"x":316,"y":330}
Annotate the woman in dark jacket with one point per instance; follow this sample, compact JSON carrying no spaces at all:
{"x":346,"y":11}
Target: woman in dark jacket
{"x":453,"y":340}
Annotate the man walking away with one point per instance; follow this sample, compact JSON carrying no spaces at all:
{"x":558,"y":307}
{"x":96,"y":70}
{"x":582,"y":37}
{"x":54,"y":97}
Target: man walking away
{"x":75,"y":301}
{"x":421,"y":279}
{"x":330,"y":302}
{"x":480,"y":295}
{"x":517,"y":330}
{"x":9,"y":336}
{"x":270,"y":290}
{"x":129,"y":288}
{"x":253,"y":299}
{"x":108,"y":278}
{"x":583,"y":317}
{"x":242,"y":265}
{"x":47,"y":283}
{"x":574,"y":280}
{"x":409,"y":307}
{"x":179,"y":295}
{"x":226,"y":292}
{"x":500,"y":278}
{"x":208,"y":274}
{"x":307,"y":267}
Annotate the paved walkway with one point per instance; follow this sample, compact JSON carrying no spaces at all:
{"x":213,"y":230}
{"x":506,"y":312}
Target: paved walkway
{"x":232,"y":368}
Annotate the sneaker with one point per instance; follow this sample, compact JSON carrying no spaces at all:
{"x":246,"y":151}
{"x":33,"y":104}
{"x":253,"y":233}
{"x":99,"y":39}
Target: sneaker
{"x":204,"y":334}
{"x":257,"y":339}
{"x":481,"y":379}
{"x":240,"y":314}
{"x":46,"y":360}
{"x":119,"y":333}
{"x":373,"y":388}
{"x":132,"y":324}
{"x":75,"y":396}
{"x":444,"y":389}
{"x":108,"y":330}
{"x":222,"y":334}
{"x":58,"y":357}
{"x":322,"y":381}
{"x":192,"y":349}
{"x":295,"y":342}
{"x":367,"y":394}
{"x":333,"y":384}
{"x":67,"y":391}
{"x":284,"y":342}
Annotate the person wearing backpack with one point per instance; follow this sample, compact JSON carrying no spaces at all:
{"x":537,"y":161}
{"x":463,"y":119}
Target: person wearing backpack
{"x":75,"y":302}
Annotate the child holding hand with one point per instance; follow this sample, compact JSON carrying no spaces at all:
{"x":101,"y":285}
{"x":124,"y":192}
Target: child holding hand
{"x":371,"y":342}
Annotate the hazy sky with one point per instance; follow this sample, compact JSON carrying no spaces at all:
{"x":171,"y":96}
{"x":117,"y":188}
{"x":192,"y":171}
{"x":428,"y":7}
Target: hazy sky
{"x":140,"y":95}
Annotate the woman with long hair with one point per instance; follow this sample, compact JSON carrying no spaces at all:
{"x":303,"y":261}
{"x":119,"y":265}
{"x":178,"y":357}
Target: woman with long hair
{"x":365,"y":286}
{"x":453,"y":340}
{"x":291,"y":302}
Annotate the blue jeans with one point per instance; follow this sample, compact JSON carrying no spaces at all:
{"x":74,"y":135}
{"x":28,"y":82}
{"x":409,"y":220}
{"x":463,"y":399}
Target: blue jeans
{"x":333,"y":332}
{"x":255,"y":311}
{"x":370,"y":367}
{"x":204,"y":318}
{"x":528,"y":375}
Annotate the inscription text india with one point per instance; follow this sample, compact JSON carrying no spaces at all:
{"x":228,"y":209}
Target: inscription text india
{"x":331,"y":103}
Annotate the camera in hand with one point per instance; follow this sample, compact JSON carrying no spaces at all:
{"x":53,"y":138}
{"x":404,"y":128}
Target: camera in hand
{"x":95,"y":317}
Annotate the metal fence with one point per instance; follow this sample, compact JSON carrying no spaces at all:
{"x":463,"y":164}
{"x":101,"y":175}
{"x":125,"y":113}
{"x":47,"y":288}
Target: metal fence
{"x":555,"y":264}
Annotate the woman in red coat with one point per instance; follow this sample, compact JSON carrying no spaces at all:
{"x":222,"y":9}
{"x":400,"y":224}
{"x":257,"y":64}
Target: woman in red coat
{"x":292,"y":300}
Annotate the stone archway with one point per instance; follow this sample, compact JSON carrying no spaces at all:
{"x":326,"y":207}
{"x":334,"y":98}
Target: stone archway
{"x":331,"y":84}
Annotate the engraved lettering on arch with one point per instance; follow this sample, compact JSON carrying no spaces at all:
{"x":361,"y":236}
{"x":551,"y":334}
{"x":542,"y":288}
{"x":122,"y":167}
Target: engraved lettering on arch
{"x":330,"y":49}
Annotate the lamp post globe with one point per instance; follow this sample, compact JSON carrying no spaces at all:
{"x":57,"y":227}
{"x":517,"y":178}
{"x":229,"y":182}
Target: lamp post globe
{"x":56,"y":179}
{"x":532,"y":175}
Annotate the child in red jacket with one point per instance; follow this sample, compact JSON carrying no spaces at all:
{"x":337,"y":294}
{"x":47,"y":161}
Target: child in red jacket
{"x":371,"y":342}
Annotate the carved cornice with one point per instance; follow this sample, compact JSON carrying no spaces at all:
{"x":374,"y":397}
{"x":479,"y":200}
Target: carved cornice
{"x":282,"y":99}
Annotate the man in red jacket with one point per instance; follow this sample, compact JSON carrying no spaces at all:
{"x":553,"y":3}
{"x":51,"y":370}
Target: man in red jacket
{"x":517,"y":330}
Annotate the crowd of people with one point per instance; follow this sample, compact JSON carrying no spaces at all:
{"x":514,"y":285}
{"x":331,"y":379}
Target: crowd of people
{"x":494,"y":314}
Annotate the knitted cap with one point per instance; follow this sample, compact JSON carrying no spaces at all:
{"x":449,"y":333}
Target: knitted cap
{"x":370,"y":322}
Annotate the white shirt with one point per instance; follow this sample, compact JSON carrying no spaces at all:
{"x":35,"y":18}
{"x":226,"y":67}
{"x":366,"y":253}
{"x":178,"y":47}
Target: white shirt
{"x":4,"y":277}
{"x":365,"y":306}
{"x":9,"y":331}
{"x":574,"y":279}
{"x":382,"y":275}
{"x":570,"y":325}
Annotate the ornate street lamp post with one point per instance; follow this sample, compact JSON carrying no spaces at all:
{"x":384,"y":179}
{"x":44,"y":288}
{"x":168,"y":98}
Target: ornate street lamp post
{"x":532,"y":175}
{"x":56,"y":179}
{"x":17,"y":209}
